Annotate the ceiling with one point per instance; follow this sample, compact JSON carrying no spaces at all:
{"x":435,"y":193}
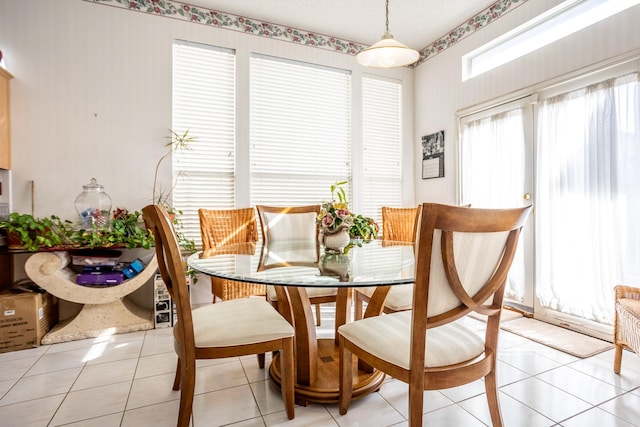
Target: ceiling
{"x":416,"y":23}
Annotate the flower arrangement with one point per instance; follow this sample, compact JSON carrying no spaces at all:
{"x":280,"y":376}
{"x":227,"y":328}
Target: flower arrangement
{"x":335,"y":215}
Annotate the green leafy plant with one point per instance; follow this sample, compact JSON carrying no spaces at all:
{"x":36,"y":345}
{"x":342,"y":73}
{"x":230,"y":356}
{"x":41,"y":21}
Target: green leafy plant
{"x":363,"y":228}
{"x":125,"y":230}
{"x":177,"y":142}
{"x":33,"y":233}
{"x":128,"y":228}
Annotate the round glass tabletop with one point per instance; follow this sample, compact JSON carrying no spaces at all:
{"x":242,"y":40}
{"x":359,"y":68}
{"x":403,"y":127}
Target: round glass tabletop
{"x":306,"y":264}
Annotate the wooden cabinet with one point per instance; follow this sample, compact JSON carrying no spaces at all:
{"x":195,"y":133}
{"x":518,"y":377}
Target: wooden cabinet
{"x":5,"y":131}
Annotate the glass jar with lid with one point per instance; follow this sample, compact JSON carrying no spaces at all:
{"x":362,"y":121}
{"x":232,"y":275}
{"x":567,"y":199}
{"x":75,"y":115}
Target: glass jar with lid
{"x":93,"y":205}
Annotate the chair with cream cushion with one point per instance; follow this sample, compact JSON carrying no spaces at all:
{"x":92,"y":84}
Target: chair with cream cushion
{"x":294,"y":223}
{"x":463,"y":258}
{"x":398,"y":227}
{"x":228,"y":329}
{"x":626,"y":328}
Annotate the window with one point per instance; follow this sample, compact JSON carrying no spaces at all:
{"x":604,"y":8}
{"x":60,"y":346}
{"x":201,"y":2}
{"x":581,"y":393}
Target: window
{"x":300,"y":131}
{"x":300,"y":121}
{"x":381,"y":146}
{"x":203,"y":104}
{"x":561,"y":21}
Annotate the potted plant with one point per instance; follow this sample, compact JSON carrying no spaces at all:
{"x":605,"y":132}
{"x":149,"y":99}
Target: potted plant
{"x":31,"y":233}
{"x":125,"y":230}
{"x":177,"y":142}
{"x":364,"y":228}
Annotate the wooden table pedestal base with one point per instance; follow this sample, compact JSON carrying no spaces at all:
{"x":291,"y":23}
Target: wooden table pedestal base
{"x":325,"y":388}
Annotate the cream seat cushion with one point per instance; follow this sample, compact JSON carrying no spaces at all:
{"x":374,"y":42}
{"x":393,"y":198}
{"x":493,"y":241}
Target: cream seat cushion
{"x":388,"y":337}
{"x":311,"y":292}
{"x":238,"y":322}
{"x":399,"y":298}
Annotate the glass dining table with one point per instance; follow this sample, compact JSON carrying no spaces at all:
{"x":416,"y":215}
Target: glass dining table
{"x":292,"y":267}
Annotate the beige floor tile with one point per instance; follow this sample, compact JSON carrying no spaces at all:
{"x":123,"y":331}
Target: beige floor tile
{"x":38,"y":386}
{"x":224,"y":407}
{"x":91,"y":403}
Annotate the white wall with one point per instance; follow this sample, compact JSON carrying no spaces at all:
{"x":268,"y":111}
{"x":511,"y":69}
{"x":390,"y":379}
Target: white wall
{"x":91,"y":97}
{"x":440,"y":92}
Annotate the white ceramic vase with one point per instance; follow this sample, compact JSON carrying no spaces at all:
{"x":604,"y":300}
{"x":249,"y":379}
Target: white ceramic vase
{"x":337,"y":240}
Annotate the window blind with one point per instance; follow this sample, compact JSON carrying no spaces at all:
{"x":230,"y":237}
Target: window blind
{"x":203,"y":104}
{"x":300,"y":131}
{"x":382,"y":143}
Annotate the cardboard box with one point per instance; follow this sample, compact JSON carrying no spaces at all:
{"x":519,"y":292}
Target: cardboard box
{"x":25,"y":318}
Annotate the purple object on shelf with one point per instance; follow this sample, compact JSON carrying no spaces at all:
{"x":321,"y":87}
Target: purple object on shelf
{"x":100,"y":278}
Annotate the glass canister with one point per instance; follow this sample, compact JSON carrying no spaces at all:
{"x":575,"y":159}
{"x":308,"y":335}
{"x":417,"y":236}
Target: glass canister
{"x":93,"y":205}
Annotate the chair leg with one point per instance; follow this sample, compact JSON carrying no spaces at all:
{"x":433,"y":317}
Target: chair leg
{"x":491,"y":387}
{"x":288,"y":377}
{"x":260,"y":360}
{"x":617,"y":359}
{"x":357,"y":306}
{"x":187,"y":385}
{"x":318,"y":315}
{"x":416,"y":403}
{"x":345,"y":390}
{"x":176,"y":380}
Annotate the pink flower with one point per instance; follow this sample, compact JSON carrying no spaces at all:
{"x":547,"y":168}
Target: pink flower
{"x":342,"y":213}
{"x":327,"y":221}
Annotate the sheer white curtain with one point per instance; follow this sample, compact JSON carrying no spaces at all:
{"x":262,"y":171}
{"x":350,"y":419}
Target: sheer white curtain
{"x":493,"y":173}
{"x":588,"y":197}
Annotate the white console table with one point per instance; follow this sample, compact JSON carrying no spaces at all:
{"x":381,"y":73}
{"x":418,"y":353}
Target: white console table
{"x":105,"y":309}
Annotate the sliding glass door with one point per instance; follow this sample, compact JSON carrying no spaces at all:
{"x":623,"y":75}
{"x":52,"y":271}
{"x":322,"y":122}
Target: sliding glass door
{"x":588,"y":200}
{"x":584,"y":141}
{"x":496,"y":148}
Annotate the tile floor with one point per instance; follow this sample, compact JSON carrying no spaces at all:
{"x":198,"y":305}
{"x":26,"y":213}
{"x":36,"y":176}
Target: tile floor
{"x":126,"y":380}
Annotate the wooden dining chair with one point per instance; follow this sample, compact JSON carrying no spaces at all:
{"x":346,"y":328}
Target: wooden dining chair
{"x":462,"y":261}
{"x":626,"y":326}
{"x":398,"y":227}
{"x":219,"y":227}
{"x":299,"y":223}
{"x":228,"y":329}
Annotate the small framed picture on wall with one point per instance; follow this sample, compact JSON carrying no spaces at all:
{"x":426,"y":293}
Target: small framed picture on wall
{"x":433,"y":155}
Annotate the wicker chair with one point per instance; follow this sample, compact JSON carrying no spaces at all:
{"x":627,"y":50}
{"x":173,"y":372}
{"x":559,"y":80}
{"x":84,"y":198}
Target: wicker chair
{"x":223,"y":227}
{"x":398,"y":227}
{"x":626,"y":329}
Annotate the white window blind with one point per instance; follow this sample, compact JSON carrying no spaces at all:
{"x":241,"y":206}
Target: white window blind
{"x":382,"y":142}
{"x":300,"y":131}
{"x":203,"y":104}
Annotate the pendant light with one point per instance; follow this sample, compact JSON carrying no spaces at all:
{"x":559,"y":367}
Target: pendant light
{"x":387,"y":52}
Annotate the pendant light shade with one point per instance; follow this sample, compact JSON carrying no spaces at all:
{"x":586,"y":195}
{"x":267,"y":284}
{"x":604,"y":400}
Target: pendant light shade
{"x":388,"y":52}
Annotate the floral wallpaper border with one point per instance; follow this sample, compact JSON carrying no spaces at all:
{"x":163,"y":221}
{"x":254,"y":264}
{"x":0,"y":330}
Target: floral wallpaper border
{"x":197,"y":14}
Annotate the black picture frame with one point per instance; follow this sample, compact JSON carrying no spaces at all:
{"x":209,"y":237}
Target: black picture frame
{"x":433,"y":155}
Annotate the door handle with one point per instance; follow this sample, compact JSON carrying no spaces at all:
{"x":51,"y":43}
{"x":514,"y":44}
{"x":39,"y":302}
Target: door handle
{"x":526,"y":196}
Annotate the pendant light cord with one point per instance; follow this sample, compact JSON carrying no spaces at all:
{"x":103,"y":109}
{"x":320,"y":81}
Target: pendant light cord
{"x":387,"y":16}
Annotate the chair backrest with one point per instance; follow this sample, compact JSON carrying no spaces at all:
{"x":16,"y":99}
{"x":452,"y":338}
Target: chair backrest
{"x":291,"y":222}
{"x":399,"y":224}
{"x":171,"y":269}
{"x":463,"y":258}
{"x":227,"y":226}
